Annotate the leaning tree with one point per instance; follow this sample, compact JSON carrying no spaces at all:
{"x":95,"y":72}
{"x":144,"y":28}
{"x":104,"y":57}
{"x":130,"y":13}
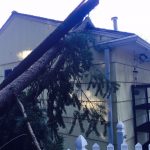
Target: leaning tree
{"x":60,"y":82}
{"x":58,"y":74}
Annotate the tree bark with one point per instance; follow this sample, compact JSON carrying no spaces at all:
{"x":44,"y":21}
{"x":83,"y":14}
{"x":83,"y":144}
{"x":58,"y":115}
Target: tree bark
{"x":44,"y":84}
{"x":30,"y":130}
{"x":73,"y":19}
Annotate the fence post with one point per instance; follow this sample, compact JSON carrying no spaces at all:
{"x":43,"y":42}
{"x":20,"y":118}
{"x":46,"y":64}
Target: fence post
{"x":80,"y":143}
{"x":95,"y":147}
{"x":138,"y":146}
{"x":120,"y":134}
{"x":110,"y":147}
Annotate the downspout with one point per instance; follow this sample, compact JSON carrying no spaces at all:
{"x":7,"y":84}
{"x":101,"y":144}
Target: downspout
{"x":107,"y":75}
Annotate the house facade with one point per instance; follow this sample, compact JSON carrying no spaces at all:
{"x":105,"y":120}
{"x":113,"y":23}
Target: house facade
{"x":28,"y":32}
{"x":122,"y":56}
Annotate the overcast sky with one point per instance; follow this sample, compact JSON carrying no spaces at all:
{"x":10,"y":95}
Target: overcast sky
{"x":133,"y":15}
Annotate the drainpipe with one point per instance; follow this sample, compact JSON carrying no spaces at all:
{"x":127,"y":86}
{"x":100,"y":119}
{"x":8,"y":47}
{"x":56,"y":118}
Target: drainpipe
{"x":107,"y":75}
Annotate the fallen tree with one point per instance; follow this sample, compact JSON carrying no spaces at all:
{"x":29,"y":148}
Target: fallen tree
{"x":15,"y":87}
{"x":54,"y":70}
{"x":73,"y":19}
{"x":60,"y":77}
{"x":29,"y":69}
{"x":23,"y":80}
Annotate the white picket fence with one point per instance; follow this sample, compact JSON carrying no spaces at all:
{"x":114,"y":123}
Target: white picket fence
{"x":81,"y":143}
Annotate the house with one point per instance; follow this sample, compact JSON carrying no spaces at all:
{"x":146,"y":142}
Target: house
{"x":123,"y":56}
{"x":32,"y":30}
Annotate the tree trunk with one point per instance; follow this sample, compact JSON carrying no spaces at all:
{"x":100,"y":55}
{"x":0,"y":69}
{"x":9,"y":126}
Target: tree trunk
{"x":19,"y":84}
{"x":44,"y":84}
{"x":73,"y":19}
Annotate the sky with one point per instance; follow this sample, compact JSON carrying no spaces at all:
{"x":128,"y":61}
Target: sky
{"x":133,"y":15}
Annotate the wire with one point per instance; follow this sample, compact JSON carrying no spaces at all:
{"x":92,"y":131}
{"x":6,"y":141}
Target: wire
{"x":12,"y":140}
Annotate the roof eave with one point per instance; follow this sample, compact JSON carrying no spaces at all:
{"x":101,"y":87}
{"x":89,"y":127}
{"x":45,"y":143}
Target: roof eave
{"x":26,"y":16}
{"x":124,"y":41}
{"x":117,"y":42}
{"x":143,"y":43}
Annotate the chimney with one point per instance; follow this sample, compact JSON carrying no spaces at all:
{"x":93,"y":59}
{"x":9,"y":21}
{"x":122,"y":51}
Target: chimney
{"x":115,"y":25}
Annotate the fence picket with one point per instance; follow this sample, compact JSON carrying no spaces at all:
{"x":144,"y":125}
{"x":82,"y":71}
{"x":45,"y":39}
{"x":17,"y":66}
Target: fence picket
{"x":138,"y":146}
{"x":81,"y":143}
{"x":110,"y":147}
{"x":120,"y":134}
{"x":95,"y":147}
{"x":124,"y":146}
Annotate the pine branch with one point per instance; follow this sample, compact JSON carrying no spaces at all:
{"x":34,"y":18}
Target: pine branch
{"x":30,"y":130}
{"x":85,"y":95}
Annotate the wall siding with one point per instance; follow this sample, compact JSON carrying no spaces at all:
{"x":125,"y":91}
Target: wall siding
{"x":21,"y":35}
{"x":123,"y":60}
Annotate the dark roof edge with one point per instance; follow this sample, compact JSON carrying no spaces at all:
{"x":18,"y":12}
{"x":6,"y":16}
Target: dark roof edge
{"x":111,"y":32}
{"x":35,"y":18}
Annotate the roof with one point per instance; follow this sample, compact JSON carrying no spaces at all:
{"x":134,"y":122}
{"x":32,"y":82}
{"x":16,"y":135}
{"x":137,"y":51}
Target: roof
{"x":120,"y":37}
{"x":29,"y":17}
{"x":36,"y":18}
{"x":124,"y":41}
{"x":57,"y":22}
{"x":106,"y":31}
{"x":89,"y":26}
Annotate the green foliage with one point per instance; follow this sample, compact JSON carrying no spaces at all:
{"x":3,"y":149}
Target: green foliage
{"x":12,"y":126}
{"x":102,"y":86}
{"x":60,"y":83}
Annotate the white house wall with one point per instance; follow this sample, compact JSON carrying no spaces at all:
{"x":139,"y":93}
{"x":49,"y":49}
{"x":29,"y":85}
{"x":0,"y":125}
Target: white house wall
{"x":123,"y":62}
{"x":26,"y":34}
{"x":20,"y":34}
